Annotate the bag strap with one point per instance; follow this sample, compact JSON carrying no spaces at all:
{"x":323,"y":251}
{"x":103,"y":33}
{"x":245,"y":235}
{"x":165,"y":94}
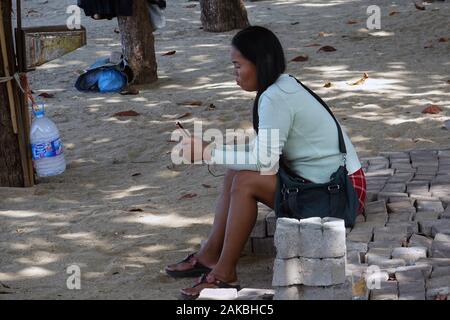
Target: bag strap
{"x":342,"y":147}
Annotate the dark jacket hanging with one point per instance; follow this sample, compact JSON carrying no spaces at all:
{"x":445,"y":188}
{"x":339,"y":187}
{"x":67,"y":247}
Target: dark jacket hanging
{"x":106,"y":9}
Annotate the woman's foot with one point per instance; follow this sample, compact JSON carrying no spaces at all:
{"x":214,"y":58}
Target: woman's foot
{"x":207,"y":281}
{"x":188,"y":267}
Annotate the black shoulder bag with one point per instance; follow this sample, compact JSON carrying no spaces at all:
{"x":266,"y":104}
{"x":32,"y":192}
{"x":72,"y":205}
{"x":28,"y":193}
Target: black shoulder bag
{"x":296,"y":198}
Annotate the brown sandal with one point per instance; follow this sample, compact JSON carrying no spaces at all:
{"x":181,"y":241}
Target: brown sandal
{"x":197,"y":269}
{"x":211,"y":282}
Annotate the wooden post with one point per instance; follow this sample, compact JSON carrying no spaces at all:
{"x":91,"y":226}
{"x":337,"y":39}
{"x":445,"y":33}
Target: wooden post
{"x":15,"y":156}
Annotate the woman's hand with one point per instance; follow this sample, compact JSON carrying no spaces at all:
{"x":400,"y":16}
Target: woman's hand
{"x":195,"y":149}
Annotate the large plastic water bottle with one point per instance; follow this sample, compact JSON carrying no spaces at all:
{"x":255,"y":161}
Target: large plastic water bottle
{"x":46,"y":146}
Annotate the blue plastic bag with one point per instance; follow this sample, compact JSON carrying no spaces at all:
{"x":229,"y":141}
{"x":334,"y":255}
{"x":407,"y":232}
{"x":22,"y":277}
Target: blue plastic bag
{"x":104,"y":76}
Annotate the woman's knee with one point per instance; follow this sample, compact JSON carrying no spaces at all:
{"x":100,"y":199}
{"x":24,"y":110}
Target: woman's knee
{"x":241,"y":182}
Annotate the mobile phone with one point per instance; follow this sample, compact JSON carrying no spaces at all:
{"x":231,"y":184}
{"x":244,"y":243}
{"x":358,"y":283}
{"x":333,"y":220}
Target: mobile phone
{"x":185,"y":132}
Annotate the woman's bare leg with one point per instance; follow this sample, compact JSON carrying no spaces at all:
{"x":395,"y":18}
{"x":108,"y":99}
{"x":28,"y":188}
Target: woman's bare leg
{"x":247,"y":189}
{"x":210,"y":252}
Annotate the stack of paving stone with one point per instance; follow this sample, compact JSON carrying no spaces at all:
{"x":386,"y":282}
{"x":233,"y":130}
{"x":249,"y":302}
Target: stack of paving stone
{"x":310,"y":260}
{"x":403,"y":244}
{"x":260,"y":241}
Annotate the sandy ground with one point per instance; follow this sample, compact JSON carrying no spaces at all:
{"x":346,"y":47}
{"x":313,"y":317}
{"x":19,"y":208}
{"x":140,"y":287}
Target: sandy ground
{"x":83,"y":217}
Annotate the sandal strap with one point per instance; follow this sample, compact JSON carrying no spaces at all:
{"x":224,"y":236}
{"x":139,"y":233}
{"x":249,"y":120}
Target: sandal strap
{"x":191,"y":259}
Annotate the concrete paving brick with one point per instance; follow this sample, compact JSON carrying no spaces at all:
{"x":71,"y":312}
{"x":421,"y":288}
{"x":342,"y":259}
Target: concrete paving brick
{"x":410,"y":227}
{"x":380,"y":172}
{"x":388,"y":291}
{"x":426,"y":215}
{"x":386,"y":196}
{"x":390,"y":264}
{"x":400,"y":217}
{"x":384,"y":244}
{"x":423,"y":205}
{"x":255,"y":294}
{"x":440,"y":249}
{"x":403,"y":206}
{"x":394,"y":187}
{"x":323,"y":272}
{"x":412,"y":296}
{"x":417,"y":240}
{"x":425,"y":269}
{"x":442,"y":237}
{"x":375,"y":207}
{"x":417,"y":187}
{"x":390,"y":233}
{"x":286,"y":293}
{"x":218,"y":294}
{"x":353,"y":257}
{"x":441,"y":226}
{"x":440,"y":271}
{"x":439,"y":285}
{"x":409,"y":254}
{"x":286,"y":238}
{"x":286,"y":272}
{"x":411,"y":275}
{"x":263,"y":246}
{"x":406,"y":288}
{"x":371,"y":196}
{"x":323,"y":238}
{"x":378,"y":218}
{"x":259,"y":229}
{"x":356,"y":246}
{"x":434,"y":262}
{"x":360,"y":236}
{"x":271,"y":222}
{"x":375,"y":255}
{"x":336,"y":292}
{"x":425,"y":226}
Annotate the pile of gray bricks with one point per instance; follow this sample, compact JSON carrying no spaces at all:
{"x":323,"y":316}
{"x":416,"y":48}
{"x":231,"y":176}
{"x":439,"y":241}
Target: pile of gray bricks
{"x":400,"y":249}
{"x":310,"y":260}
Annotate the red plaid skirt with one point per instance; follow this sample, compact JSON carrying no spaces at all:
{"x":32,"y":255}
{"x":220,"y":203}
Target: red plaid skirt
{"x":358,"y":180}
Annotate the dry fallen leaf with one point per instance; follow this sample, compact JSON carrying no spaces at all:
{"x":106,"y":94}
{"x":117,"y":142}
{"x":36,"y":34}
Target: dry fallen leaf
{"x":393,"y":13}
{"x":432,"y":109}
{"x":419,"y":5}
{"x":328,"y":84}
{"x":129,"y":113}
{"x":206,"y":185}
{"x":352,"y":21}
{"x":321,"y":34}
{"x":169,"y":53}
{"x":300,"y":58}
{"x":135,"y":210}
{"x":211,"y":107}
{"x":294,"y":23}
{"x":130,"y":91}
{"x":46,"y":95}
{"x":362,"y":80}
{"x":136,"y":174}
{"x":190,"y":103}
{"x":448,"y":81}
{"x":116,"y":30}
{"x":188,"y":196}
{"x":327,"y":49}
{"x":443,"y":39}
{"x":184,"y":115}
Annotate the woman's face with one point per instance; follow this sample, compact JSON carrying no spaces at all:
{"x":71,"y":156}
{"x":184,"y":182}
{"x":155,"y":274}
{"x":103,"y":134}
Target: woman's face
{"x":244,"y":71}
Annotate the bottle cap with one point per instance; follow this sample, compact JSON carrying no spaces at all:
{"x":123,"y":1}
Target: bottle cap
{"x":39,"y":110}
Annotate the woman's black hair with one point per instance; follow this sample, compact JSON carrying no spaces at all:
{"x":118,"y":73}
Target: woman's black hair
{"x":262,"y":47}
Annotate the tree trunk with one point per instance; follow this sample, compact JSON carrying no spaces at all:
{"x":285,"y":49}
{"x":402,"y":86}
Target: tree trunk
{"x":11,"y":174}
{"x":223,"y":15}
{"x":138,"y":43}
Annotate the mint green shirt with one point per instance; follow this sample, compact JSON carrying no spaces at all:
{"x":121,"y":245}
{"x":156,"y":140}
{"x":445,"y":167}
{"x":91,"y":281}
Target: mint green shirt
{"x":300,"y":128}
